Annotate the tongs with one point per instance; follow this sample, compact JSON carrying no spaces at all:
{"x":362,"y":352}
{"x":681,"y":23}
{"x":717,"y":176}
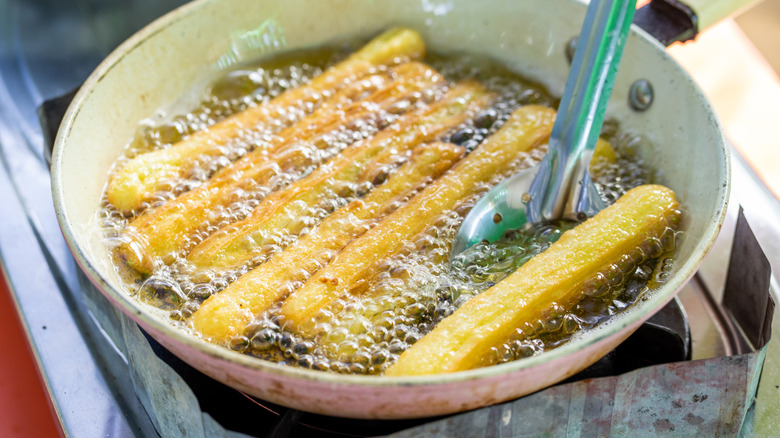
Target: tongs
{"x":559,"y":186}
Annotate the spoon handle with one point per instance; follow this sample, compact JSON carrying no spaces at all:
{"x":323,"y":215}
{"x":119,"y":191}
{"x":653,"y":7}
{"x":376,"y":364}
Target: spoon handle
{"x":563,"y":188}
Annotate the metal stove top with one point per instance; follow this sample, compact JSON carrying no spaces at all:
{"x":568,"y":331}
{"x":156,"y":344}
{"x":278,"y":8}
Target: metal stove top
{"x":46,"y":49}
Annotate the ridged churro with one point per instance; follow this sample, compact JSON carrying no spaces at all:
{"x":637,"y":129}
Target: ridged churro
{"x":527,"y":127}
{"x":559,"y":275}
{"x":226,"y":314}
{"x":166,"y":231}
{"x":276,"y":216}
{"x":141,"y":176}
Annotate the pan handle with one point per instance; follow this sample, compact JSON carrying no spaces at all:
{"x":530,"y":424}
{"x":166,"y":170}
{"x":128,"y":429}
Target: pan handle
{"x":670,"y":21}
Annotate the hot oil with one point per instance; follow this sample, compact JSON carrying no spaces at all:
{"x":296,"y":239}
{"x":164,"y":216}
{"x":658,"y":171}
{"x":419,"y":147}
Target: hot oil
{"x":232,"y":92}
{"x":409,"y":292}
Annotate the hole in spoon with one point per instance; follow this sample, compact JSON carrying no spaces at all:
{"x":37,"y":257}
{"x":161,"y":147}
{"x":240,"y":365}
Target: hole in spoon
{"x":497,"y":218}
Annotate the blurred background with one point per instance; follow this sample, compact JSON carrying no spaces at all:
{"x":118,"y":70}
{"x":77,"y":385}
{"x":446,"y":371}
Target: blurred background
{"x":736,"y":63}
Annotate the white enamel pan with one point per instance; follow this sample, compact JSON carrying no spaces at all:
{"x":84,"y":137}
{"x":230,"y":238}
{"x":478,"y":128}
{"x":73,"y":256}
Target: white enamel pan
{"x":160,"y":63}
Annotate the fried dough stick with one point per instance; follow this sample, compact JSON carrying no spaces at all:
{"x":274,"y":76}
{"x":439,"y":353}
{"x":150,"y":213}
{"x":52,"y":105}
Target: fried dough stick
{"x":166,"y":231}
{"x":275,"y":217}
{"x":141,"y":176}
{"x":378,"y":298}
{"x":226,"y":314}
{"x":526,"y":128}
{"x":559,"y":275}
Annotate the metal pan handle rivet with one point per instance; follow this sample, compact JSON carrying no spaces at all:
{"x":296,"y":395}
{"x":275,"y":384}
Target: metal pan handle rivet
{"x":571,"y":47}
{"x":640,"y":96}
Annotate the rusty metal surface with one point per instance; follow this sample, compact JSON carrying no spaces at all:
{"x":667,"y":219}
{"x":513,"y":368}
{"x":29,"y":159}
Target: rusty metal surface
{"x":695,"y":398}
{"x":747,"y":281}
{"x":762,"y":211}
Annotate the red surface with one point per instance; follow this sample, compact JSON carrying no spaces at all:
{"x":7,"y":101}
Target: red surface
{"x":24,"y":405}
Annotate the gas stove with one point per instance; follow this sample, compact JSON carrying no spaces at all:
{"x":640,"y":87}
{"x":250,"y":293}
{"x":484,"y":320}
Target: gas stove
{"x":48,"y":48}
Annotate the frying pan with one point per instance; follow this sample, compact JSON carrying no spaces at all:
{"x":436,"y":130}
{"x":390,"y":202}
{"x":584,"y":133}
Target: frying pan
{"x":163,"y":61}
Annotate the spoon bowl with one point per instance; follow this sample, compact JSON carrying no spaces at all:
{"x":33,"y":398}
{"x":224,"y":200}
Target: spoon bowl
{"x":500,"y":210}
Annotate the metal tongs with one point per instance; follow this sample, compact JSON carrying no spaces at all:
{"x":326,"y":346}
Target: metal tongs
{"x":559,"y":186}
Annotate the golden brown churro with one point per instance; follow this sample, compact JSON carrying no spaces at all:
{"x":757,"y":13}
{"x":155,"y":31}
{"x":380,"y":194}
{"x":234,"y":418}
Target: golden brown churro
{"x":141,"y":176}
{"x":224,"y":315}
{"x":166,"y":231}
{"x":276,"y":215}
{"x":558,"y":275}
{"x":528,"y":127}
